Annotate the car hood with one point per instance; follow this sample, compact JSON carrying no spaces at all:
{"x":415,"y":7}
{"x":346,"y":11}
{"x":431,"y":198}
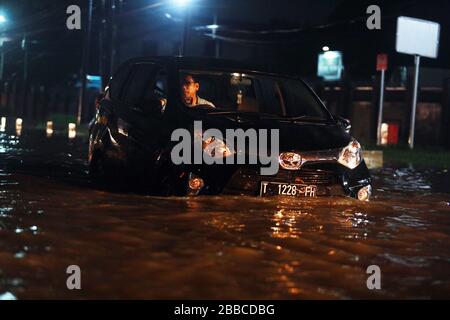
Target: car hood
{"x":294,"y":135}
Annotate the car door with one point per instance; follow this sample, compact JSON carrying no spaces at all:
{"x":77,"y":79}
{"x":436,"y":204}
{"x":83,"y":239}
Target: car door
{"x":140,"y":105}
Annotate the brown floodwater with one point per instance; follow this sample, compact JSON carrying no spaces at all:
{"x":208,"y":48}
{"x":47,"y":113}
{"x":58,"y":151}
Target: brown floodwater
{"x":131,"y":245}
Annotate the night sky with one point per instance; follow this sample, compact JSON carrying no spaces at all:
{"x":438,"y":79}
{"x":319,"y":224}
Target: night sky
{"x":286,"y":34}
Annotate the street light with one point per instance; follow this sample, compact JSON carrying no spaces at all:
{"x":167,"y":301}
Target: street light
{"x":326,"y":48}
{"x":181,"y":3}
{"x":212,"y":26}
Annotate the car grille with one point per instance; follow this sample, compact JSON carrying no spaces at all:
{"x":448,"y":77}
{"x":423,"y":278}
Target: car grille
{"x":248,"y":180}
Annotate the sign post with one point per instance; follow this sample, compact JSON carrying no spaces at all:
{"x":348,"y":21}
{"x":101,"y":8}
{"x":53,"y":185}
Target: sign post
{"x":414,"y":102}
{"x":421,"y":39}
{"x":382,"y":62}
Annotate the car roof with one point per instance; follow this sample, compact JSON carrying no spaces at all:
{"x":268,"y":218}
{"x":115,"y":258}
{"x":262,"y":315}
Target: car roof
{"x":207,"y":63}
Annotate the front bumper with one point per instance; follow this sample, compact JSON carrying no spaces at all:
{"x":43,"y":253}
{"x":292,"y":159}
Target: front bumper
{"x":331,"y":179}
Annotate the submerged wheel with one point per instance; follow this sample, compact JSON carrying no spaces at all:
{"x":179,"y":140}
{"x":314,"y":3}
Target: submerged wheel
{"x":170,"y":185}
{"x":97,"y":169}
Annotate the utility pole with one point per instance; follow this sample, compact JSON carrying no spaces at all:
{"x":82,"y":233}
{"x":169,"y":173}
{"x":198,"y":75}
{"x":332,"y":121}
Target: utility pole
{"x":2,"y":61}
{"x":112,"y":57}
{"x":2,"y":49}
{"x":25,"y":57}
{"x":101,"y":42}
{"x":85,"y":63}
{"x":216,"y":41}
{"x":382,"y":64}
{"x":117,"y":39}
{"x":187,"y":23}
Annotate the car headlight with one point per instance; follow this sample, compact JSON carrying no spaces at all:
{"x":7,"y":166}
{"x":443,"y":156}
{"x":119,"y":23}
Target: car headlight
{"x":351,"y":155}
{"x":216,"y":148}
{"x":364,"y":193}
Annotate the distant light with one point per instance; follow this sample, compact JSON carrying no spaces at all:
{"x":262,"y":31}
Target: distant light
{"x":384,"y":133}
{"x":93,"y":78}
{"x":3,"y":124}
{"x":19,"y":123}
{"x":2,"y":18}
{"x":325,"y":48}
{"x":7,"y":296}
{"x":72,"y":132}
{"x":213,"y":26}
{"x":168,"y":16}
{"x":181,"y":3}
{"x":330,"y":65}
{"x":49,"y":129}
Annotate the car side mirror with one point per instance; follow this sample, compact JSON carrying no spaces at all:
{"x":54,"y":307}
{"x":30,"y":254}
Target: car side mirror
{"x":344,"y":123}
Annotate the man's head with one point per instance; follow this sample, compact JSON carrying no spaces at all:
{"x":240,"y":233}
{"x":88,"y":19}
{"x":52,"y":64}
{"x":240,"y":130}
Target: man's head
{"x":189,"y":88}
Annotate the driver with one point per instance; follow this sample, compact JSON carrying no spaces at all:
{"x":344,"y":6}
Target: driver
{"x":189,"y":88}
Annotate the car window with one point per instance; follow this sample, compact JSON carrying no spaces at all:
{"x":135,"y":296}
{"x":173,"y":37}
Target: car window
{"x":139,"y":83}
{"x":257,"y":93}
{"x":270,"y":98}
{"x":117,"y":82}
{"x":299,"y":100}
{"x":158,"y":86}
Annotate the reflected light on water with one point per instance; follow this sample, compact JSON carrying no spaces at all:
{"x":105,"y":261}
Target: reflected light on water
{"x":285,"y":223}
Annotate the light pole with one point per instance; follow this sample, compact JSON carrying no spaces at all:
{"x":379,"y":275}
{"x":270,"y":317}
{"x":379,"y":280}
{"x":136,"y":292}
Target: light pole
{"x":184,"y":4}
{"x":25,"y":57}
{"x":85,"y":63}
{"x":3,"y":21}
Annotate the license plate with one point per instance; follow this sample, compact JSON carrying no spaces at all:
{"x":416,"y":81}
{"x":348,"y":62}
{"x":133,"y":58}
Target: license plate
{"x":287,"y":189}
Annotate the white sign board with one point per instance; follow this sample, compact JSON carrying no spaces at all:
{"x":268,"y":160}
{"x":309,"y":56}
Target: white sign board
{"x":417,"y":37}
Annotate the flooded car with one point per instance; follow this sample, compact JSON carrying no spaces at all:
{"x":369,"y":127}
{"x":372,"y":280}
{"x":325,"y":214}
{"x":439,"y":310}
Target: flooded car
{"x":148,"y":99}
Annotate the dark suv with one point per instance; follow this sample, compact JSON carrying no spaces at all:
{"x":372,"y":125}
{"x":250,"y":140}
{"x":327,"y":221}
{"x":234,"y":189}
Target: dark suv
{"x":132,"y":134}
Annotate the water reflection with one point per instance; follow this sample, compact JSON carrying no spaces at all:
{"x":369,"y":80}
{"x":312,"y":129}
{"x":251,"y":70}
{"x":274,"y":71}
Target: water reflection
{"x":285,"y":223}
{"x":211,"y":247}
{"x":403,"y":179}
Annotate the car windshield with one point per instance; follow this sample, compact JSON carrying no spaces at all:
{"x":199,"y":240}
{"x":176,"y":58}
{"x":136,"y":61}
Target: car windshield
{"x":250,"y":93}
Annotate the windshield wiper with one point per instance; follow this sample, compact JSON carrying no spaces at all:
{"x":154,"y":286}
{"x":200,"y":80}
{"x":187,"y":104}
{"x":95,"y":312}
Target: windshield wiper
{"x":267,"y":116}
{"x":245,"y":113}
{"x":305,"y":118}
